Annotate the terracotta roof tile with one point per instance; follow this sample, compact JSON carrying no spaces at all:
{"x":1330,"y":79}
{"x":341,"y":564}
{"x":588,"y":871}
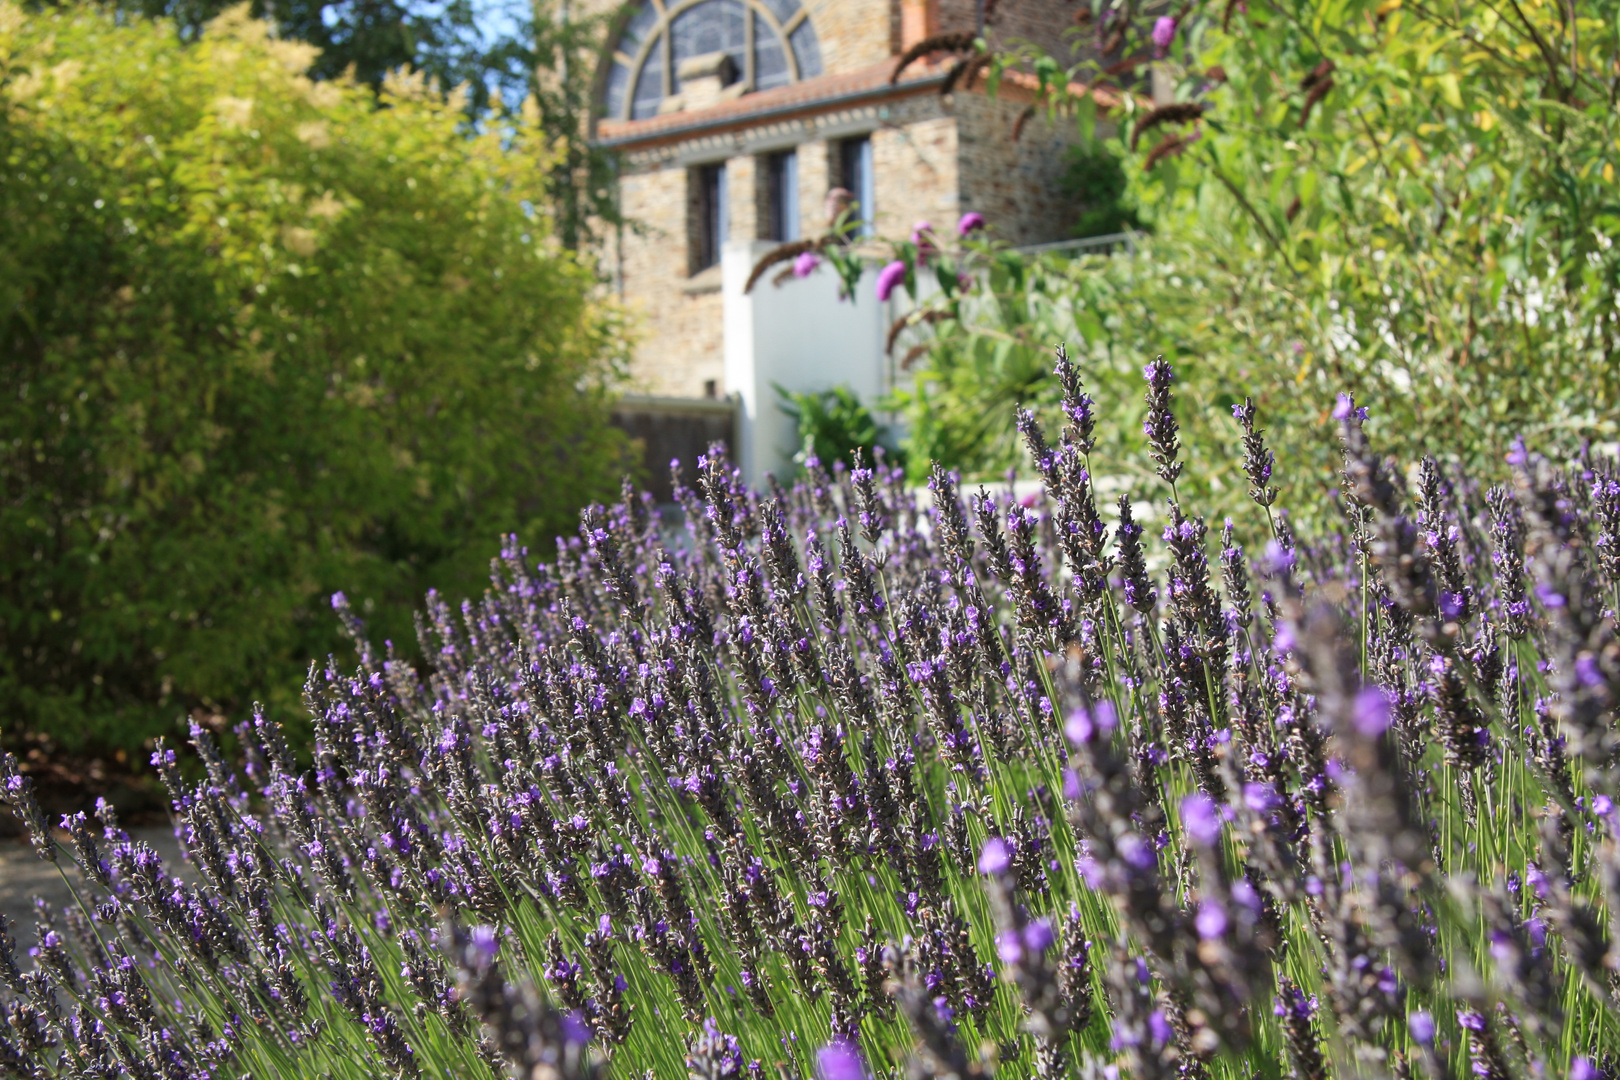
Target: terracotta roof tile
{"x":808,"y":95}
{"x":806,"y":92}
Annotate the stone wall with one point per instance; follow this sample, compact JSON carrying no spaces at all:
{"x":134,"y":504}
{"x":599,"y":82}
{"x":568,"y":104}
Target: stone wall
{"x":1014,"y":184}
{"x":916,"y":161}
{"x":915,"y":171}
{"x":933,"y":159}
{"x":854,"y":33}
{"x":680,"y":332}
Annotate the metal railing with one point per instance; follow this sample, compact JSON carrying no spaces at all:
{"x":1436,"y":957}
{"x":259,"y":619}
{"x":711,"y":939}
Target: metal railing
{"x":1104,"y":243}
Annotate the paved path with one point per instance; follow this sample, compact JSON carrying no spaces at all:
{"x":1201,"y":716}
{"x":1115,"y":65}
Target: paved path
{"x":24,"y":875}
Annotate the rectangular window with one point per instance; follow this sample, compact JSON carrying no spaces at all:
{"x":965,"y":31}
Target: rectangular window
{"x":709,"y":219}
{"x":855,"y":158}
{"x":782,"y":196}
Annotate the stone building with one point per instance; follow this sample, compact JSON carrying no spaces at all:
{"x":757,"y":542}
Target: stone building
{"x":733,"y":118}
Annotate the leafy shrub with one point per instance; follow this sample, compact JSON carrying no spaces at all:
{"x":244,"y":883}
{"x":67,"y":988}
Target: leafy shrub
{"x":833,"y":425}
{"x":265,"y":339}
{"x":1094,"y":181}
{"x":858,"y":789}
{"x":1358,"y":194}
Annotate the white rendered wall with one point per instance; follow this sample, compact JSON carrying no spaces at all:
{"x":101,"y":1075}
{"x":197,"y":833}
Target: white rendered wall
{"x":801,"y":337}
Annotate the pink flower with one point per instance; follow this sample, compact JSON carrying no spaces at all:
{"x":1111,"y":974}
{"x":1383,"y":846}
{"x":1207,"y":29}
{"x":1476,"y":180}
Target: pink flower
{"x":806,"y":264}
{"x":922,"y":234}
{"x":971,"y":221}
{"x":1164,"y":32}
{"x":889,"y":277}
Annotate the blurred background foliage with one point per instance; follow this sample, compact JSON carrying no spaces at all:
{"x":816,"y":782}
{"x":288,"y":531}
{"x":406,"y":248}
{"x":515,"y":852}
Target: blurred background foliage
{"x":833,"y":424}
{"x":1413,"y":201}
{"x":265,"y":340}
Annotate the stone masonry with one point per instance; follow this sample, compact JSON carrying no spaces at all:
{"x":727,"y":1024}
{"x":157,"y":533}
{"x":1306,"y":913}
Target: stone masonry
{"x":933,"y":158}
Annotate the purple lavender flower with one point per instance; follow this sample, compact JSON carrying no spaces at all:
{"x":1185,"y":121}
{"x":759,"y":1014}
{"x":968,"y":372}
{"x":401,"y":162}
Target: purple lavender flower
{"x":1201,"y":819}
{"x":995,"y":857}
{"x":840,"y":1060}
{"x":1160,"y":424}
{"x":970,"y":222}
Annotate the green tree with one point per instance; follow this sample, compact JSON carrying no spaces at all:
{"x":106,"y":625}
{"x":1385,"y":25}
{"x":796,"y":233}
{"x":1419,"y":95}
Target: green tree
{"x":265,"y":340}
{"x":509,"y":54}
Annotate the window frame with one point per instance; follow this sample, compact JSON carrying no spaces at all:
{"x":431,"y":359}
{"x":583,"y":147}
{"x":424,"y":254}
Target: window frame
{"x":658,"y":35}
{"x":857,"y":174}
{"x":709,"y":216}
{"x":781,"y":173}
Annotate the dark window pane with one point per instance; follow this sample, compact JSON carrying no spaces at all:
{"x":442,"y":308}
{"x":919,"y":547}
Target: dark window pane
{"x":618,"y":83}
{"x":782,"y":9}
{"x":711,"y":216}
{"x":784,"y":196}
{"x":806,"y":50}
{"x":770,"y":65}
{"x":856,"y":155}
{"x":635,"y":31}
{"x":712,"y":26}
{"x":650,"y":87}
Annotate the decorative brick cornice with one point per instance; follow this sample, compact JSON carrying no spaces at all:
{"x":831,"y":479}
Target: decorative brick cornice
{"x":844,"y":92}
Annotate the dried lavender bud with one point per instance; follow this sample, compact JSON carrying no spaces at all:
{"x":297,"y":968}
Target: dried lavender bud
{"x":1077,"y":405}
{"x":1440,"y":537}
{"x":1298,"y":1015}
{"x":1258,"y":461}
{"x":17,"y":792}
{"x":1160,"y":423}
{"x":1461,"y":725}
{"x":868,"y":503}
{"x":1507,"y":535}
{"x":1235,"y":576}
{"x":1139,"y":592}
{"x":1405,"y":569}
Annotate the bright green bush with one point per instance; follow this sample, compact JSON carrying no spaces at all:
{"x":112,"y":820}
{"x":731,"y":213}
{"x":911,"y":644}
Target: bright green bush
{"x":833,"y":425}
{"x":265,"y":338}
{"x":1413,"y":202}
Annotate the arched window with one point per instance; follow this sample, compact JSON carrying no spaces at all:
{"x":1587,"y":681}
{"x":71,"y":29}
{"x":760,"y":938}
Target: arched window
{"x":770,"y":42}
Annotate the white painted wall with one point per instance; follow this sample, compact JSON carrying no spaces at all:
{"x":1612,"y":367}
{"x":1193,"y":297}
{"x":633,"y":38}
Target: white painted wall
{"x":802,"y":337}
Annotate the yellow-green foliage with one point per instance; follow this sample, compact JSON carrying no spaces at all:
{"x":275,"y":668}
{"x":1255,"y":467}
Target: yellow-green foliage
{"x":264,"y":338}
{"x":1415,"y":202}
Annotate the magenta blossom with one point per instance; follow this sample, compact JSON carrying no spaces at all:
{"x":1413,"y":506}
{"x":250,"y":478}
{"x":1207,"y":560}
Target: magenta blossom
{"x":806,"y":264}
{"x":889,"y":277}
{"x":1164,"y":32}
{"x":839,"y":1060}
{"x":922,"y":234}
{"x":972,"y":221}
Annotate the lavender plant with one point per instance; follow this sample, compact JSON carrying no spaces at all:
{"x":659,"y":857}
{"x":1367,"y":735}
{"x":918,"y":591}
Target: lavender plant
{"x":836,"y":784}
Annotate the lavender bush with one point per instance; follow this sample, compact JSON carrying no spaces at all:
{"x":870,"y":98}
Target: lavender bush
{"x":846,"y":787}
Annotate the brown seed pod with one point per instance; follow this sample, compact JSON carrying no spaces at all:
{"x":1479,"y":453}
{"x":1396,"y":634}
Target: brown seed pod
{"x":956,"y":42}
{"x":781,"y":253}
{"x":1179,"y":113}
{"x":1318,"y":73}
{"x":1023,"y":118}
{"x":963,"y":72}
{"x":1317,"y":93}
{"x":1293,"y":209}
{"x":1171,"y":146}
